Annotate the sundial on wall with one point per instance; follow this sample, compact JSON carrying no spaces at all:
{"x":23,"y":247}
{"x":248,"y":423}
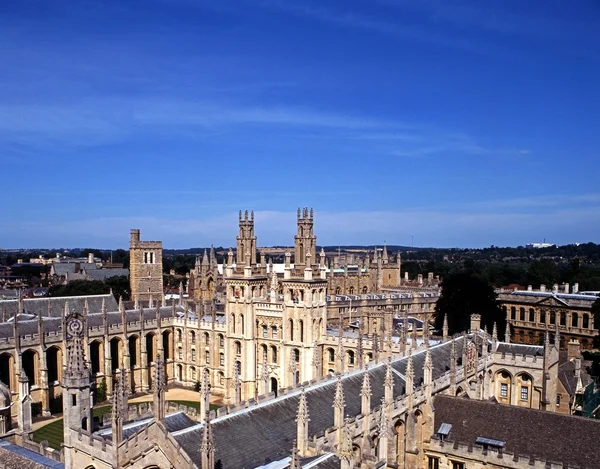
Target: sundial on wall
{"x":74,"y":325}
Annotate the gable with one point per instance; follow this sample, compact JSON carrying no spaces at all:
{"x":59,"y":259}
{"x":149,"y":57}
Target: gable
{"x":552,"y":301}
{"x":153,"y":447}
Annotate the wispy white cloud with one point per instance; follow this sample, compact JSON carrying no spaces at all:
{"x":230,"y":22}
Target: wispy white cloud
{"x":569,"y":218}
{"x":348,"y":19}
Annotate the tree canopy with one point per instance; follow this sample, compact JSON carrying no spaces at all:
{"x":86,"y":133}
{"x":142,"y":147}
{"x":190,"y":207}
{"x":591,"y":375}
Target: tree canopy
{"x":466,"y":293}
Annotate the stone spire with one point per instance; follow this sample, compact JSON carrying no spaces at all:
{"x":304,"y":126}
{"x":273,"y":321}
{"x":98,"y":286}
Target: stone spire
{"x":410,"y":381}
{"x":295,"y":459}
{"x":24,"y":415}
{"x":302,"y":420}
{"x":428,"y":373}
{"x":119,"y":408}
{"x":346,"y":454}
{"x":207,"y":445}
{"x":388,"y":383}
{"x":507,"y":333}
{"x":365,"y":393}
{"x":76,"y":365}
{"x":316,"y":360}
{"x":453,"y":368}
{"x":236,"y":385}
{"x":274,"y":287}
{"x":445,"y":329}
{"x":159,"y":387}
{"x":204,"y":392}
{"x":557,"y":337}
{"x":494,"y":337}
{"x":383,"y":428}
{"x":384,"y":256}
{"x":205,"y":259}
{"x":213,"y":257}
{"x":426,"y":329}
{"x":338,"y":404}
{"x":180,"y":294}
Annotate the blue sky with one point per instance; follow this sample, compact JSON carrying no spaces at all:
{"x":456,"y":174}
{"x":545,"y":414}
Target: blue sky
{"x":458,"y":123}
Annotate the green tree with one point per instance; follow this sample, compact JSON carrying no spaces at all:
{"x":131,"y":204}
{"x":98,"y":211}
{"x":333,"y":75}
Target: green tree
{"x":544,"y":272}
{"x":466,"y":293}
{"x":79,"y":287}
{"x":119,"y":286}
{"x":101,"y":390}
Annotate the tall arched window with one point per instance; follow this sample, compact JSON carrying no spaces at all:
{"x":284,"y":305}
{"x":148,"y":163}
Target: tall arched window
{"x":274,"y":354}
{"x":586,"y":321}
{"x":301,"y":327}
{"x":574,"y":320}
{"x":531,"y":315}
{"x":291,"y":329}
{"x":238,"y":348}
{"x":264,"y":353}
{"x":242,"y":323}
{"x":331,"y":355}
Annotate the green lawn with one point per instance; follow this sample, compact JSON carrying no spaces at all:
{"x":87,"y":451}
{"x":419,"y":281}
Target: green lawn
{"x":194,"y":404}
{"x":53,"y":432}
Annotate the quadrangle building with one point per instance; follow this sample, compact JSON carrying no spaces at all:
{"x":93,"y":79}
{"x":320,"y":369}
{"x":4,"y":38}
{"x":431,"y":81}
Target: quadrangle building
{"x":300,"y":388}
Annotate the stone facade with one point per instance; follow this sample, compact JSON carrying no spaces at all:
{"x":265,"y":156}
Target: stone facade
{"x":531,"y":313}
{"x":146,"y":270}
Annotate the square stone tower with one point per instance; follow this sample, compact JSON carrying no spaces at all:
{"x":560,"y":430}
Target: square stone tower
{"x":145,"y":268}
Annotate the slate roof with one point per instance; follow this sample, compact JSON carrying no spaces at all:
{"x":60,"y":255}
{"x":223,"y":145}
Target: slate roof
{"x":103,"y":274}
{"x":546,"y":435}
{"x":566,"y":374}
{"x":265,"y":432}
{"x":62,"y":269}
{"x":520,"y":349}
{"x":173,"y":422}
{"x":54,"y":324}
{"x":14,"y":456}
{"x":54,"y":306}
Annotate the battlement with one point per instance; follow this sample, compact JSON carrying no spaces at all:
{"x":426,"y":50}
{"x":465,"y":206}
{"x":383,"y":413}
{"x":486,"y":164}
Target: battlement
{"x":305,"y":214}
{"x":486,"y":456}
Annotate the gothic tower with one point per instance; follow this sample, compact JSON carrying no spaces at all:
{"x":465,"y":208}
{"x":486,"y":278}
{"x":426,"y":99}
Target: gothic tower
{"x":145,"y":268}
{"x":246,"y":241}
{"x":76,"y":384}
{"x":305,"y":241}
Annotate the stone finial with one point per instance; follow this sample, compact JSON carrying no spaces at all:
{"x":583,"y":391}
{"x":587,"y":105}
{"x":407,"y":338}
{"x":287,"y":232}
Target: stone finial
{"x":316,"y":359}
{"x":207,"y":445}
{"x":338,"y":399}
{"x":159,"y":388}
{"x":365,"y":390}
{"x":205,"y":259}
{"x":557,"y":337}
{"x":346,"y":453}
{"x":302,"y":415}
{"x":388,"y":382}
{"x":445,"y":329}
{"x":428,"y":372}
{"x":383,"y":425}
{"x":410,"y":375}
{"x":295,"y":459}
{"x":507,"y":333}
{"x":495,"y":334}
